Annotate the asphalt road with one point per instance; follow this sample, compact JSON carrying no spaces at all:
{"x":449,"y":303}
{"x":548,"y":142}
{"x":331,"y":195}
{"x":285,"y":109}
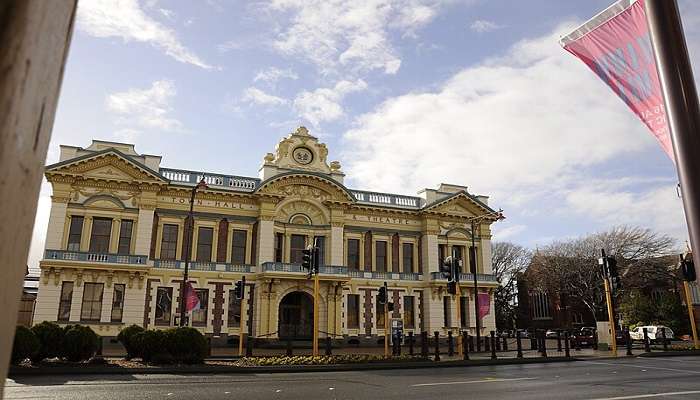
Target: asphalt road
{"x":635,"y":378}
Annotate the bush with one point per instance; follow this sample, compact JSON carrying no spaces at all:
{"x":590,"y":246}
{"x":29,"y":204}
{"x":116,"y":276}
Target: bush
{"x":25,"y":345}
{"x":149,"y":344}
{"x":50,"y":337}
{"x":126,"y":337}
{"x":79,"y":343}
{"x":186,"y":345}
{"x":162,"y":358}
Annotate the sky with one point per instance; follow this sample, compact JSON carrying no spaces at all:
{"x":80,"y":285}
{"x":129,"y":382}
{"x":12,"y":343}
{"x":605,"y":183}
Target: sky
{"x":406,"y":93}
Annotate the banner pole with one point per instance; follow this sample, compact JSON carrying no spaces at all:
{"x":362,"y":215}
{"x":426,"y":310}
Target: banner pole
{"x":682,"y":107}
{"x":689,"y":303}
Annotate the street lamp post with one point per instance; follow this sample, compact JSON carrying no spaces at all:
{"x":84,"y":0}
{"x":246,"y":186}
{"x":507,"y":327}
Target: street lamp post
{"x":188,"y":245}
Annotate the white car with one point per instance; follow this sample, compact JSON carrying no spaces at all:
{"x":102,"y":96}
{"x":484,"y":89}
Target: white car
{"x":653,"y":332}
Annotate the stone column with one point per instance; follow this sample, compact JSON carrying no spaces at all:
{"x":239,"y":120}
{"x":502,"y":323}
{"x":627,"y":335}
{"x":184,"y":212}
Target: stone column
{"x":85,"y":235}
{"x":337,"y":245}
{"x":114,"y":235}
{"x":266,"y":239}
{"x":144,"y":230}
{"x":485,"y":253}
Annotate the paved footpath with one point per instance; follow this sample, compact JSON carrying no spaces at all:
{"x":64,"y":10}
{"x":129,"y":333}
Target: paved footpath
{"x":619,"y":379}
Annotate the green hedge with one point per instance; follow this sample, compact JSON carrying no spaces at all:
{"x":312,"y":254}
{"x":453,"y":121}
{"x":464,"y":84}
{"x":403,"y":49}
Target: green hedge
{"x":25,"y":345}
{"x":50,"y":337}
{"x":79,"y":343}
{"x":186,"y":345}
{"x":126,"y":337}
{"x":182,"y":345}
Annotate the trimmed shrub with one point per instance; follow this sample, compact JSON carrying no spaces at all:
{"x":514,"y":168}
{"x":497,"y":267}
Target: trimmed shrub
{"x":79,"y":343}
{"x":126,"y":337}
{"x":150,"y":343}
{"x":162,"y":358}
{"x":50,"y":337}
{"x":25,"y":345}
{"x":186,"y":345}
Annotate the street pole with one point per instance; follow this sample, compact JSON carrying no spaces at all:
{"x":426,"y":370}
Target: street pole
{"x":243,"y":321}
{"x":473,"y":261}
{"x":689,"y":303}
{"x":682,"y":107}
{"x":608,"y":297}
{"x":386,"y":325}
{"x":459,"y":320}
{"x":188,"y":247}
{"x":316,"y":289}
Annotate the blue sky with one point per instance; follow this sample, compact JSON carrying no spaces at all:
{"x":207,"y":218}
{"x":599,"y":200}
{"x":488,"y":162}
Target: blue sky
{"x":406,"y":93}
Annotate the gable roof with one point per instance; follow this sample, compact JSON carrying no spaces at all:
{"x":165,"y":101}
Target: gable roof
{"x":102,"y":153}
{"x":461,"y":194}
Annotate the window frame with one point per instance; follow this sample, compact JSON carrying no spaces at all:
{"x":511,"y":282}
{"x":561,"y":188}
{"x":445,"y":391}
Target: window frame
{"x":409,"y":246}
{"x":72,"y":244}
{"x":203,"y":311}
{"x":168,"y":245}
{"x":353,"y":313}
{"x":99,"y":242}
{"x":124,"y":243}
{"x":279,"y":247}
{"x":447,"y":311}
{"x":380,"y":267}
{"x":65,"y":301}
{"x":91,"y":303}
{"x":118,"y":305}
{"x":409,"y":316}
{"x":296,"y":253}
{"x":169,"y":292}
{"x":355,"y":257}
{"x":201,"y":255}
{"x":236,"y":256}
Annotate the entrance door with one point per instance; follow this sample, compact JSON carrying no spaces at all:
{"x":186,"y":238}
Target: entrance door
{"x":296,"y":316}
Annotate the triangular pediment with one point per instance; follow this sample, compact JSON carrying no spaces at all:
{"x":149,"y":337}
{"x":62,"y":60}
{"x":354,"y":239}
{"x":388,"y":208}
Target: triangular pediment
{"x":305,"y":185}
{"x":106,"y":165}
{"x":460,"y":204}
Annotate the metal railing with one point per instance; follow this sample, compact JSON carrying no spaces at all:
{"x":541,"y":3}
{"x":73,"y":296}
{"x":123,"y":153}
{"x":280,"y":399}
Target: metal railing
{"x":204,"y":266}
{"x":387,"y":199}
{"x":230,"y":181}
{"x":341,"y":270}
{"x":468,"y":277}
{"x":86,"y":256}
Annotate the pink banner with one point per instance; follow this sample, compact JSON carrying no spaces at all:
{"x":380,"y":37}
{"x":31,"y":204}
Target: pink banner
{"x":484,"y":305}
{"x":191,"y":298}
{"x":616,"y":46}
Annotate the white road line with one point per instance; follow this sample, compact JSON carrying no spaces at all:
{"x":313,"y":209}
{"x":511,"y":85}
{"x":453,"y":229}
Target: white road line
{"x":646,"y":396}
{"x":467,"y":382}
{"x":645,"y":367}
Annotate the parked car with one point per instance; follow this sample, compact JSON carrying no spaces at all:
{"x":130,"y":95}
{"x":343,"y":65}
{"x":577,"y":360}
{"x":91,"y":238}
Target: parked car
{"x":653,"y":332}
{"x":586,"y":336}
{"x":524,"y":334}
{"x":551,"y":334}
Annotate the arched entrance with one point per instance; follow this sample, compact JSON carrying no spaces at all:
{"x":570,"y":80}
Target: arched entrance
{"x":296,"y":316}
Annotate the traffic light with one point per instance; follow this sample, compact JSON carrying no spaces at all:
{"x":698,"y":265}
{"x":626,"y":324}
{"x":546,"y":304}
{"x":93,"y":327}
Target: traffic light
{"x":446,"y":268}
{"x":688,"y":268}
{"x":457,"y":270}
{"x":616,"y":282}
{"x":239,"y":289}
{"x":612,"y":267}
{"x":381,"y":296}
{"x":307,"y":259}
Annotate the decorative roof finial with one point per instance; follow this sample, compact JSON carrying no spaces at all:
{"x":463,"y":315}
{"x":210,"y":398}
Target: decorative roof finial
{"x":302,"y":131}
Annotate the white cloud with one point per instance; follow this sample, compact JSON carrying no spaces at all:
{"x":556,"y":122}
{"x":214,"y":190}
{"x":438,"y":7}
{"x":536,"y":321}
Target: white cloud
{"x":145,"y":108}
{"x":126,"y":20}
{"x":529,"y":128}
{"x":257,"y":96}
{"x":504,"y":231}
{"x":323,"y":104}
{"x":229,"y":45}
{"x":483,"y":26}
{"x":169,"y":14}
{"x":336,"y":34}
{"x":273,"y":74}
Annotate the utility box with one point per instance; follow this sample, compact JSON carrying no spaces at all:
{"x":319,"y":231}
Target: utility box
{"x":396,"y":330}
{"x":604,"y":335}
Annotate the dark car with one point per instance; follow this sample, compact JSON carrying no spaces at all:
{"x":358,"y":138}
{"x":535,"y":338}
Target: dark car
{"x":586,"y":337}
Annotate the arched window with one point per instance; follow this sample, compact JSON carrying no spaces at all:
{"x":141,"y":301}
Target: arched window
{"x":300,"y":219}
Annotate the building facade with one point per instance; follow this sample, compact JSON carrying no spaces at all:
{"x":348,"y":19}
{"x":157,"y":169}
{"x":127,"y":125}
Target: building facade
{"x":119,"y":227}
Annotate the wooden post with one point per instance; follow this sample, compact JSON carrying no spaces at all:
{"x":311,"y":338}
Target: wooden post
{"x":611,"y":317}
{"x":35,"y":37}
{"x":689,"y":303}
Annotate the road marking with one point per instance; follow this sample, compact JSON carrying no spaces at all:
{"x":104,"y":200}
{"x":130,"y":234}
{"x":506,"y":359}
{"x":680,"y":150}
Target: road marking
{"x":644,"y":366}
{"x":486,"y":380}
{"x":646,"y":396}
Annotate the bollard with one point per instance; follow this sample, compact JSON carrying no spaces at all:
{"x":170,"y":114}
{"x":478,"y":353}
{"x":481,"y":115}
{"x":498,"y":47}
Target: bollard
{"x":450,"y":344}
{"x":498,"y":343}
{"x":471,"y":343}
{"x":248,"y":346}
{"x":663,"y":337}
{"x":559,"y":341}
{"x":544,"y":344}
{"x":487,"y":344}
{"x":410,"y":343}
{"x":647,"y":345}
{"x":424,"y":344}
{"x":329,"y":346}
{"x":577,"y":341}
{"x":566,"y":345}
{"x":290,"y":350}
{"x":478,"y":340}
{"x":208,"y":346}
{"x":505,"y":344}
{"x":533,"y":341}
{"x":595,"y":340}
{"x":100,"y":343}
{"x":437,"y":346}
{"x":628,"y":341}
{"x":519,"y":344}
{"x":540,"y":345}
{"x":466,"y":341}
{"x":493,"y":345}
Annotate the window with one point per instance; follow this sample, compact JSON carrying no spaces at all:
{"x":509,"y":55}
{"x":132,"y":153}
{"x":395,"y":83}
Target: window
{"x":353,"y":311}
{"x":441,"y":253}
{"x":164,"y":302}
{"x":279,"y":246}
{"x":458,"y":252}
{"x":75,"y":233}
{"x":447,"y":311}
{"x":297,"y":245}
{"x":234,"y":310}
{"x":92,"y":302}
{"x":238,"y":247}
{"x":99,"y":238}
{"x":65,"y":301}
{"x":407,"y":258}
{"x":168,"y":244}
{"x":118,"y":303}
{"x":539,"y":305}
{"x":473,"y":267}
{"x":320,"y":242}
{"x":204,"y":241}
{"x":380,"y":314}
{"x":199,"y":316}
{"x":409,"y":313}
{"x":380,"y":257}
{"x":125,"y":236}
{"x":464,"y":311}
{"x":354,"y":254}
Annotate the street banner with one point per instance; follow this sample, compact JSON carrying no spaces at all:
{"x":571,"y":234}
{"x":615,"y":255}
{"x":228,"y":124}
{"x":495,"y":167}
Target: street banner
{"x":191,"y":298}
{"x":484,"y":305}
{"x":616,"y":46}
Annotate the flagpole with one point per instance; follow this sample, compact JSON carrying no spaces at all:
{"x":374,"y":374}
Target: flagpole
{"x":682,"y":107}
{"x":188,"y":246}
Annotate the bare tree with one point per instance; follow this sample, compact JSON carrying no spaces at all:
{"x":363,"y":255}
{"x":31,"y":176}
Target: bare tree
{"x":508,"y":261}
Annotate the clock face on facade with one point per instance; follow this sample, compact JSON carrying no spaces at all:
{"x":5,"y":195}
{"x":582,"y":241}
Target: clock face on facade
{"x":302,"y":155}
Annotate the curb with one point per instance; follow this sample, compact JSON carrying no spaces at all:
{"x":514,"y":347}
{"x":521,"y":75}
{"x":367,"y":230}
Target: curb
{"x":102,"y":370}
{"x":677,"y":353}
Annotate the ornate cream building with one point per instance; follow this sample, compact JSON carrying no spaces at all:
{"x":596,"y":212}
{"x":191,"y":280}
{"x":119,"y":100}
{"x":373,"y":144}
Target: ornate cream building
{"x":117,"y":229}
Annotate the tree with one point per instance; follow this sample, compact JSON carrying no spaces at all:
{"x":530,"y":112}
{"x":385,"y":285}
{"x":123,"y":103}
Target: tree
{"x":637,"y":307}
{"x":570,"y":269}
{"x":508,"y":262}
